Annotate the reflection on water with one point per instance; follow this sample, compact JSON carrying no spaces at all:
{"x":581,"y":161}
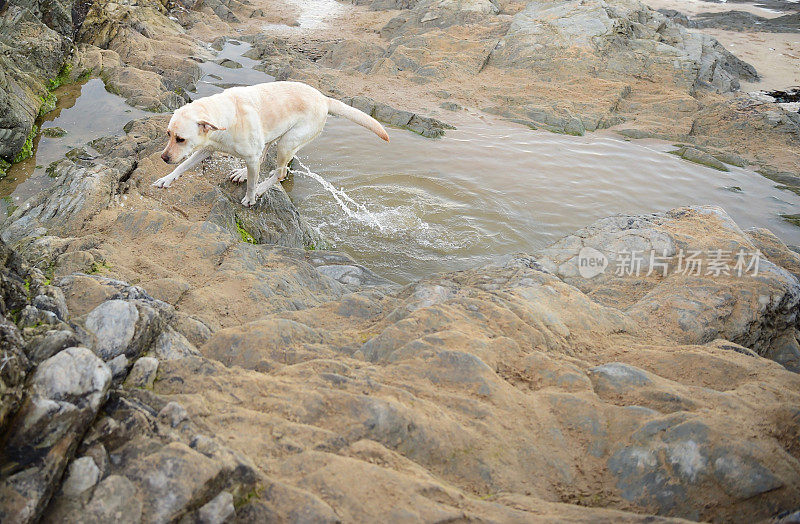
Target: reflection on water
{"x":491,"y":188}
{"x":218,"y":77}
{"x":86,"y":111}
{"x":312,"y":14}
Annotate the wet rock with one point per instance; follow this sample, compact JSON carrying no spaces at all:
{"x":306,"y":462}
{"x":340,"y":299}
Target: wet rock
{"x":143,"y":373}
{"x":349,"y":275}
{"x":699,"y":157}
{"x":53,"y":132}
{"x":346,"y":271}
{"x":425,"y":126}
{"x":272,"y":220}
{"x":218,"y":510}
{"x":736,"y":21}
{"x":34,"y":50}
{"x":230,"y":64}
{"x":82,"y":192}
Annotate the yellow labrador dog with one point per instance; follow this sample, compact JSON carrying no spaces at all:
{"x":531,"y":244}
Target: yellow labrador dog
{"x":244,"y":121}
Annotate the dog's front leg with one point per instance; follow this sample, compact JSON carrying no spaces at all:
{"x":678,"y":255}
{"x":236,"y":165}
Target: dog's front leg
{"x":194,"y":159}
{"x":253,"y":167}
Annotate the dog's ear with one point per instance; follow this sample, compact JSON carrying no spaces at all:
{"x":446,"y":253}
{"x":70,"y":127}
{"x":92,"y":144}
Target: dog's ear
{"x":207,"y":126}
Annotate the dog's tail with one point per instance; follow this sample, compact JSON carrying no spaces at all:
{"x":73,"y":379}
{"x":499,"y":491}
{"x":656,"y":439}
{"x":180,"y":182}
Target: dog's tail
{"x":335,"y":107}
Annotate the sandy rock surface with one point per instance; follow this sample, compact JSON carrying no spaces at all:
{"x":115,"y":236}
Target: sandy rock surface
{"x":158,"y":364}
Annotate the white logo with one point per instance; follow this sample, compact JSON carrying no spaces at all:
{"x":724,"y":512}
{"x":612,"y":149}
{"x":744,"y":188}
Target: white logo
{"x":591,"y":262}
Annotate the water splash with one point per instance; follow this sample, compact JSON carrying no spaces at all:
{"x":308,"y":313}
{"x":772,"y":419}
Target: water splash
{"x":360,"y":213}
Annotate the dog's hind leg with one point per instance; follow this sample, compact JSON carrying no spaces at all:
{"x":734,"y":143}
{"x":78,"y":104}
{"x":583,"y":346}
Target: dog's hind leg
{"x":253,"y":167}
{"x":292,"y":142}
{"x":240,"y":175}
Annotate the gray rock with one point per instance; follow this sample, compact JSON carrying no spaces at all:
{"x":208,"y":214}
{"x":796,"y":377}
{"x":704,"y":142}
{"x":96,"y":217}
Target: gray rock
{"x":699,"y":157}
{"x":34,"y":50}
{"x":14,"y":368}
{"x":617,"y":377}
{"x":549,"y":37}
{"x":74,"y":375}
{"x":272,"y":220}
{"x":230,"y":64}
{"x":703,"y":307}
{"x":641,"y":479}
{"x":740,"y":475}
{"x":83,"y":474}
{"x":47,"y":344}
{"x":173,"y":414}
{"x":84,"y":189}
{"x":115,"y":499}
{"x":184,"y":475}
{"x":143,"y":373}
{"x":425,"y":126}
{"x":171,"y":345}
{"x":218,"y":510}
{"x":113,"y":324}
{"x":32,"y":317}
{"x":118,"y":366}
{"x":52,"y":299}
{"x":345,"y":270}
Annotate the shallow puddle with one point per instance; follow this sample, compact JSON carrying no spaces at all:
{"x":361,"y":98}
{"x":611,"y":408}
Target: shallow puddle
{"x":85,"y":111}
{"x":220,"y":77}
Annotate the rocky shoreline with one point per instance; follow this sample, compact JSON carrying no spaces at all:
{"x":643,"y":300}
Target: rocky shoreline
{"x":171,"y":356}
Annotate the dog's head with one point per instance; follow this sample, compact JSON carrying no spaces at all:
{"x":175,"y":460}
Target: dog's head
{"x":187,"y":133}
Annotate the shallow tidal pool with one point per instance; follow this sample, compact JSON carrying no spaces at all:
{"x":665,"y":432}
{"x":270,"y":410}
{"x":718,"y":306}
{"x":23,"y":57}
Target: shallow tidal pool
{"x":417,"y":206}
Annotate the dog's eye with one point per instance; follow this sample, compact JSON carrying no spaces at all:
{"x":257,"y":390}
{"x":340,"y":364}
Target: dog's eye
{"x":179,"y":139}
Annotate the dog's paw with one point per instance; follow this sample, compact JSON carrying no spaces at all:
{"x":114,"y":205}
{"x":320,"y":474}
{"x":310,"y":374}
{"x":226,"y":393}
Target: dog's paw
{"x":239,"y":175}
{"x":163,"y":182}
{"x":249,"y":201}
